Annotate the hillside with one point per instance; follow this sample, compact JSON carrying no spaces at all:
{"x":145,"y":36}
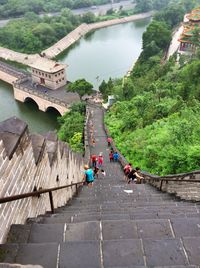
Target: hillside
{"x":155,"y":120}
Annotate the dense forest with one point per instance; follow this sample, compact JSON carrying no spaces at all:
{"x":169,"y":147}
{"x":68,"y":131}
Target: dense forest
{"x":155,"y":120}
{"x":17,"y":8}
{"x":71,"y":127}
{"x":32,"y":34}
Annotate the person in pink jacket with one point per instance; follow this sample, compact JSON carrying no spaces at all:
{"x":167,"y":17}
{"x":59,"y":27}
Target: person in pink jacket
{"x":100,"y":160}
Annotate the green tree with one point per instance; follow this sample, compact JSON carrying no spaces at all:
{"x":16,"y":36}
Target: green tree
{"x":143,"y":5}
{"x":45,"y":33}
{"x":81,"y":86}
{"x":110,"y":11}
{"x":88,"y":17}
{"x":157,"y":32}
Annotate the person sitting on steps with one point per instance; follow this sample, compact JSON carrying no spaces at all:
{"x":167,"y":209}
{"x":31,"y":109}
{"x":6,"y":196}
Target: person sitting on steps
{"x":134,"y":176}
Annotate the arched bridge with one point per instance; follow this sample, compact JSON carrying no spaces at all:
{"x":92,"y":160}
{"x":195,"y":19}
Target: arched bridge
{"x":45,"y":98}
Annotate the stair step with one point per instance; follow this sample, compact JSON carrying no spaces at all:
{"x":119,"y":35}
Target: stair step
{"x":188,"y":227}
{"x":8,"y":252}
{"x":84,"y":217}
{"x":191,"y":245}
{"x":128,"y":210}
{"x":79,"y":254}
{"x":82,"y":231}
{"x":36,"y":254}
{"x":166,"y":252}
{"x":18,"y":233}
{"x":46,"y":233}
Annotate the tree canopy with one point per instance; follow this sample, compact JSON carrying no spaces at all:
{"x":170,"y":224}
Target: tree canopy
{"x":16,"y":8}
{"x":71,"y":126}
{"x":81,"y":86}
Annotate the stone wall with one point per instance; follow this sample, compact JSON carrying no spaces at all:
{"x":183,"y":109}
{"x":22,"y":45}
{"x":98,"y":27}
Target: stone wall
{"x":7,"y":77}
{"x":33,"y":161}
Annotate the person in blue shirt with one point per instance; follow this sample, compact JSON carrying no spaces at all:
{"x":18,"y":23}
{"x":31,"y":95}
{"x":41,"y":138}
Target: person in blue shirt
{"x":88,"y":176}
{"x":116,"y":156}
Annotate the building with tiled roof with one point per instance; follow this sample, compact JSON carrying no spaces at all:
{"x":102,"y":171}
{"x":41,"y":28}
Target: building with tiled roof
{"x":186,"y":44}
{"x":48,"y":73}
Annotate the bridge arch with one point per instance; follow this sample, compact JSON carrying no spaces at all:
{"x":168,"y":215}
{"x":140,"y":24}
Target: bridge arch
{"x":53,"y":109}
{"x":29,"y":99}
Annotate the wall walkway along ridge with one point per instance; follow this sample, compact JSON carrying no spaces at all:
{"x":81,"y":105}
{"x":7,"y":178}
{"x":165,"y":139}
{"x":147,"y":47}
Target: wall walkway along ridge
{"x":112,"y":224}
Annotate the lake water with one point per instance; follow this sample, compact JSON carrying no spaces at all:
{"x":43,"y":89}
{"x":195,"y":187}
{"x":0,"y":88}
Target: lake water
{"x":108,"y":52}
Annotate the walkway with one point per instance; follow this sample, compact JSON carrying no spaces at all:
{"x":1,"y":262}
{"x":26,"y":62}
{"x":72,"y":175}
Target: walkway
{"x":83,"y":29}
{"x":65,"y":42}
{"x":111,"y":225}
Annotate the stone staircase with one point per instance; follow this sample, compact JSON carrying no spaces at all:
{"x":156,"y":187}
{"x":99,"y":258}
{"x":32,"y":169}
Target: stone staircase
{"x":108,"y":227}
{"x":112,"y":224}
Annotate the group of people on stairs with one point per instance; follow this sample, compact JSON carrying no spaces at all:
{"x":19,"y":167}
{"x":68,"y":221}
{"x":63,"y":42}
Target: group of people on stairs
{"x":132,"y":174}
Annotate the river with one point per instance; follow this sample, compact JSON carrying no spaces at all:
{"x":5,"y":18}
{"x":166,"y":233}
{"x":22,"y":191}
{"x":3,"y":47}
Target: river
{"x":108,"y":52}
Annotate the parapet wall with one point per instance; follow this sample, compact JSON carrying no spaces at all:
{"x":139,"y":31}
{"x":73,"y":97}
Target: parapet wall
{"x":29,"y":162}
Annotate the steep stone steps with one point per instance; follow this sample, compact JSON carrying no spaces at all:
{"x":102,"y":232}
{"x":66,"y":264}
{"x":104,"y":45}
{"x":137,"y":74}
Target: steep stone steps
{"x":111,"y":230}
{"x":112,"y":224}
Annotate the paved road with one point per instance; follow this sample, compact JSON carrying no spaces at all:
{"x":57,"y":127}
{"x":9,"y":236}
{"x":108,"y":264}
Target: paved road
{"x":98,"y":10}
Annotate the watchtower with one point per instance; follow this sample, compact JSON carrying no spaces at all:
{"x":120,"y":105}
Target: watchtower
{"x":48,"y":73}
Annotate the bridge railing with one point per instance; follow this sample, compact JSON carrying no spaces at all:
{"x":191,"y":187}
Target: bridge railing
{"x":19,"y":85}
{"x":185,"y":185}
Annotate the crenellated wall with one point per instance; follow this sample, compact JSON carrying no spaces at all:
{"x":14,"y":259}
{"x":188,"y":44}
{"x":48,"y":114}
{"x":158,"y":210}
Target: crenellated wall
{"x":33,"y":161}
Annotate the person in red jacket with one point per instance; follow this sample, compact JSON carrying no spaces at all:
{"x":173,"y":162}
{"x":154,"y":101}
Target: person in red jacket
{"x":111,"y":156}
{"x":127,"y":169}
{"x":94,"y":160}
{"x":100,"y":160}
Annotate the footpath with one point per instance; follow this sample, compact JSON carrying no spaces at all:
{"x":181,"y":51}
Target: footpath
{"x":112,"y":224}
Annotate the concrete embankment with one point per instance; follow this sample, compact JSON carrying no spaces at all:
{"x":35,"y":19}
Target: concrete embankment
{"x":80,"y":31}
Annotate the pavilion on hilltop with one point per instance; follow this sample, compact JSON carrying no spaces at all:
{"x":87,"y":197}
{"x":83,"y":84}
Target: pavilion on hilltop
{"x":186,"y":44}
